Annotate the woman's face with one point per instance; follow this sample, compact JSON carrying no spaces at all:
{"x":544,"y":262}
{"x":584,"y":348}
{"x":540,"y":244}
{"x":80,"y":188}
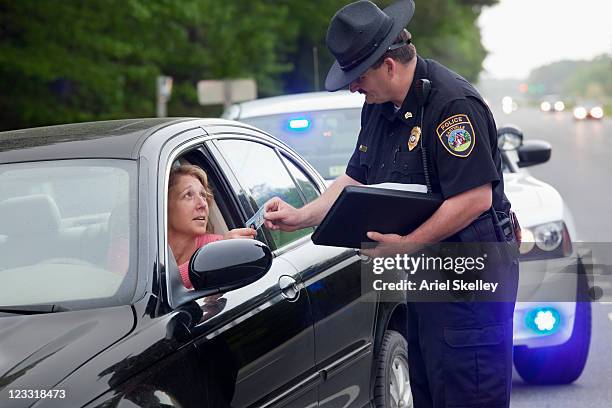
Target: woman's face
{"x":187,"y":207}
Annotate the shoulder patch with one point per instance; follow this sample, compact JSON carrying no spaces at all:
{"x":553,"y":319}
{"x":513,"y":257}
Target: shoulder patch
{"x":457,"y":135}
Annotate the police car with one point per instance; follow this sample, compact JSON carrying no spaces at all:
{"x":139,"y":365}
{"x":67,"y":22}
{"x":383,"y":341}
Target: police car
{"x":552,"y":330}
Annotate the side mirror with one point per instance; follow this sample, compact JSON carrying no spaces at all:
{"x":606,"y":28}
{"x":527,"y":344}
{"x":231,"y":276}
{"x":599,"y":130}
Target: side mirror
{"x":509,"y":137}
{"x":534,"y":152}
{"x":229,"y":264}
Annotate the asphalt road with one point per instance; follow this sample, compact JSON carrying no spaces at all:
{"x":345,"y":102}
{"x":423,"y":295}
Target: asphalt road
{"x":580,"y":169}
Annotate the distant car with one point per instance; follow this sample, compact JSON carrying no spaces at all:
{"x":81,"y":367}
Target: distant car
{"x":93,"y":312}
{"x":588,"y":110}
{"x":323,"y":128}
{"x":552,"y":103}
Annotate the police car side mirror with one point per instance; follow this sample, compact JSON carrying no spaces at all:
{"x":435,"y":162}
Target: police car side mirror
{"x":230,"y":264}
{"x":534,"y":152}
{"x":509,"y":137}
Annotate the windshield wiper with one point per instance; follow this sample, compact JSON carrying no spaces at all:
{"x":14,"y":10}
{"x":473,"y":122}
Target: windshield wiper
{"x":33,"y":309}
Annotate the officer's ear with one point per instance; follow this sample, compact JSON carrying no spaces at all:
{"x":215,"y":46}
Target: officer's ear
{"x":390,"y":66}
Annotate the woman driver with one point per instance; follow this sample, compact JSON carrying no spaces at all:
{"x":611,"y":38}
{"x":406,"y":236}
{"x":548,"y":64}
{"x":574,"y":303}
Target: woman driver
{"x":189,"y":200}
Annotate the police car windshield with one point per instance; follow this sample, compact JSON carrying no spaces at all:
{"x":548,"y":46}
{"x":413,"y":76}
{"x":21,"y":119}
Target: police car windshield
{"x":326,"y":138}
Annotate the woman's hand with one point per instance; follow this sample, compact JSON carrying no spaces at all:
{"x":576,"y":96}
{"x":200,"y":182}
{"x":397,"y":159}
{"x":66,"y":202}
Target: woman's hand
{"x":240,"y":233}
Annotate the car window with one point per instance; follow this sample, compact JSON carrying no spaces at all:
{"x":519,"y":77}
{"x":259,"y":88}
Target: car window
{"x":308,"y":188}
{"x":261,"y":172}
{"x":66,"y":231}
{"x":326,"y":139}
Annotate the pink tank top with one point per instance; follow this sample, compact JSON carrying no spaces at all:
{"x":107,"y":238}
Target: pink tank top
{"x":201,"y":241}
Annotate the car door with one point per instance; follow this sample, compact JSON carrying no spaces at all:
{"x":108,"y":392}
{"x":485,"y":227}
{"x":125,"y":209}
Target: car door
{"x":343,"y":313}
{"x":267,"y":343}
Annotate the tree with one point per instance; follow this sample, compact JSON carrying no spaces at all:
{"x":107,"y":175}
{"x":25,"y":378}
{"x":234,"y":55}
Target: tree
{"x":73,"y":60}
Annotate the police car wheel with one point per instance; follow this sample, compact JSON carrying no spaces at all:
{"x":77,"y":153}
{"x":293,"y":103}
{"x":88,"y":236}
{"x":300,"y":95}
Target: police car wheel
{"x":560,"y":364}
{"x":392,"y":386}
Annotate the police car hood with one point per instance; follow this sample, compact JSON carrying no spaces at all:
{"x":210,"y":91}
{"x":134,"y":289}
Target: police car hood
{"x":534,"y":201}
{"x":39,"y":351}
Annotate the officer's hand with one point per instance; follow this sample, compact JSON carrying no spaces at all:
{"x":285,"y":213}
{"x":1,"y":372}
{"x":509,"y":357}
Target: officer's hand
{"x":388,"y":245}
{"x":281,"y":216}
{"x":385,"y":238}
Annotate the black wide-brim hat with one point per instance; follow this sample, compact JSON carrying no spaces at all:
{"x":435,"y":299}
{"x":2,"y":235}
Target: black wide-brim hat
{"x":359,"y":34}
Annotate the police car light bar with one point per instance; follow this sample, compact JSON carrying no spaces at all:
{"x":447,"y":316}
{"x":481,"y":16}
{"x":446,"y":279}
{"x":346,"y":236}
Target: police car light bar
{"x":299,"y":124}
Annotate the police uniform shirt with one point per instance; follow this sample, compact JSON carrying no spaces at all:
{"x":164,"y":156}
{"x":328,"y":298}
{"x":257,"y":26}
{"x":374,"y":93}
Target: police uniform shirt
{"x":459,"y":135}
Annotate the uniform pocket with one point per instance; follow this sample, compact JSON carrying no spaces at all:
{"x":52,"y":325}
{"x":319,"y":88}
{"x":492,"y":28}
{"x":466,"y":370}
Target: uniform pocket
{"x":407,"y":167}
{"x":475,"y":366}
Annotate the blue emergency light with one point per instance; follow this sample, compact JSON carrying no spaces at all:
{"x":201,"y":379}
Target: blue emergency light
{"x":299,"y":124}
{"x":543,"y":320}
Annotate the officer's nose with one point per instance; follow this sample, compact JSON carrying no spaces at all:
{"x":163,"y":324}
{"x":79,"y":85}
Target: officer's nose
{"x":354,"y":86}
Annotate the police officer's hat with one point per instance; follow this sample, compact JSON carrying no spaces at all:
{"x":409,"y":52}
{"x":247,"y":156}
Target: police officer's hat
{"x":359,"y":34}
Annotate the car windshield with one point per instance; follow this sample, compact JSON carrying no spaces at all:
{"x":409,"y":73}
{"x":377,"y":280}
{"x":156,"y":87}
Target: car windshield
{"x":67,"y":232}
{"x":326,"y":139}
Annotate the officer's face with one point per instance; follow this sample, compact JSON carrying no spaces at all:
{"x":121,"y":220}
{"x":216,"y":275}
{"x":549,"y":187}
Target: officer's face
{"x":372,"y":85}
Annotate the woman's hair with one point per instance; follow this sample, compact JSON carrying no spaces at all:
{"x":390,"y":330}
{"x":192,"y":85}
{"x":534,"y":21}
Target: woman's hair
{"x":194,"y":171}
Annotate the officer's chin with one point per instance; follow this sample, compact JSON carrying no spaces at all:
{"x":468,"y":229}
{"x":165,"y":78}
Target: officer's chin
{"x":369,"y":99}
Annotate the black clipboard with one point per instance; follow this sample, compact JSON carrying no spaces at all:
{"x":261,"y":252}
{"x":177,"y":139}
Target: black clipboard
{"x":360,"y":209}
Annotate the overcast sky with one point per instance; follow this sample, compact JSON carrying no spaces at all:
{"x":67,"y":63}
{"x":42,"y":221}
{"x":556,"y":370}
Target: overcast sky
{"x":523,"y":34}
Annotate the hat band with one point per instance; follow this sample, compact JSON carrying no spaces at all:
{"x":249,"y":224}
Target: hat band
{"x":370,"y":50}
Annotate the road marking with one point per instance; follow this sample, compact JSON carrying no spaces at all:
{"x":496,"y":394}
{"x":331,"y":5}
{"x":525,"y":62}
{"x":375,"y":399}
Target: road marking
{"x":610,"y":316}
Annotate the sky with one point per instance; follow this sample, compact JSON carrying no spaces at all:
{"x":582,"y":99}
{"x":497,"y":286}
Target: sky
{"x":524,"y":34}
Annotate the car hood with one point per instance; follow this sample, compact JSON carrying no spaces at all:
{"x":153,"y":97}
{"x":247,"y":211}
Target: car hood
{"x":534,"y":201}
{"x":39,"y":351}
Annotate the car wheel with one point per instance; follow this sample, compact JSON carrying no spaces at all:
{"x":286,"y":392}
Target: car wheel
{"x":392,"y":386}
{"x":561,"y":364}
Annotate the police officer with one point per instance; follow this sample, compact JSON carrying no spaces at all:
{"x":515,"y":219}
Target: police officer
{"x":425,"y":124}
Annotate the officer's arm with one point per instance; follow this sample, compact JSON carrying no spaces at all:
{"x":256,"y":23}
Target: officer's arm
{"x":314,"y":212}
{"x":455,"y":213}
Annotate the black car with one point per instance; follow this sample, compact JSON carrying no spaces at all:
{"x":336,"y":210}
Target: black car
{"x":275,"y":321}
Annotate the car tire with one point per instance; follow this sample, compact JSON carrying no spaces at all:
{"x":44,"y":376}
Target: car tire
{"x":564,"y":363}
{"x":392,"y":384}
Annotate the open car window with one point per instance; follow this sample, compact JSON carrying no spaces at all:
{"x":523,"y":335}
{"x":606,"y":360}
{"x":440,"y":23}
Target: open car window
{"x":67,"y":232}
{"x":263,"y":175}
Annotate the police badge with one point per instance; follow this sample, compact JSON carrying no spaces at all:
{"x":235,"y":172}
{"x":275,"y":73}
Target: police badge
{"x":415,"y":136}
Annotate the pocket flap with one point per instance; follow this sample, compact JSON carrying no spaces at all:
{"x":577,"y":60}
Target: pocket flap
{"x":472,"y":337}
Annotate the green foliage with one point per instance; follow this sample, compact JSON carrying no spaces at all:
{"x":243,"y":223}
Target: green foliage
{"x":444,"y":30}
{"x":70,"y":61}
{"x":73,"y":60}
{"x":576,"y":79}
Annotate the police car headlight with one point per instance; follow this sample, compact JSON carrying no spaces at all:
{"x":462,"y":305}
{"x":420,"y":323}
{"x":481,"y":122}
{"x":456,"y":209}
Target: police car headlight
{"x":527,"y":242}
{"x":548,"y":237}
{"x":545,"y":241}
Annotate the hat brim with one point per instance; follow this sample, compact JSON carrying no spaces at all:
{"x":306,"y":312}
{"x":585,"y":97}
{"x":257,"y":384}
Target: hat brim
{"x":401,"y":12}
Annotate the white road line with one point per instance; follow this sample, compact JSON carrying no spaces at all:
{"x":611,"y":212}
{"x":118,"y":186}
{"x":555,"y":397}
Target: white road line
{"x":610,"y":316}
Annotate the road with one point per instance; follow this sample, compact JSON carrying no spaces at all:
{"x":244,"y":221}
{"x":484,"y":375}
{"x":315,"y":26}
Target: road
{"x":581,"y":170}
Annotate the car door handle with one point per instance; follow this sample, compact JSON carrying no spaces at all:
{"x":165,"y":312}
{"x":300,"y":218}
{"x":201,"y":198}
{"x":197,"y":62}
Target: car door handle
{"x":290,"y":288}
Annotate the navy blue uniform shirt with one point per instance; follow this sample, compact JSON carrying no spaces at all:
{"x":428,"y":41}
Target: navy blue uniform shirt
{"x":459,"y":134}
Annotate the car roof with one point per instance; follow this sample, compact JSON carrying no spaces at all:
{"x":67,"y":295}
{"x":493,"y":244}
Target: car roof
{"x":310,"y":101}
{"x":104,"y":139}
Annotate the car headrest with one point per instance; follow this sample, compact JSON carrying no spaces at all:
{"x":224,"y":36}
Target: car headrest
{"x":26,"y":215}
